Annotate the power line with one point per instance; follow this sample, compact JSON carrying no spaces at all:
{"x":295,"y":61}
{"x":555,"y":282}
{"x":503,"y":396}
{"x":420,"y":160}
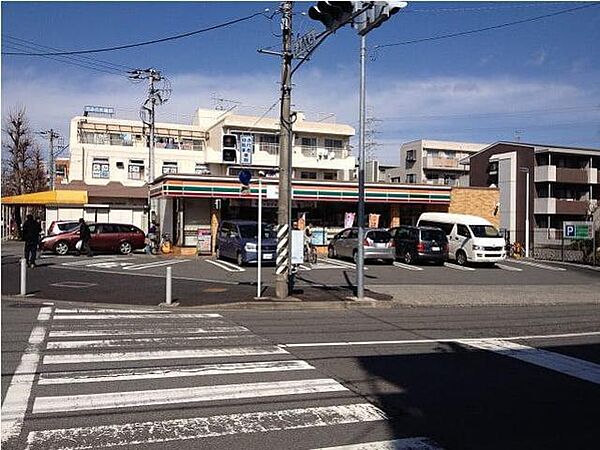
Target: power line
{"x":140,"y":44}
{"x":480,"y":30}
{"x":70,"y":62}
{"x":37,"y":47}
{"x":483,"y":8}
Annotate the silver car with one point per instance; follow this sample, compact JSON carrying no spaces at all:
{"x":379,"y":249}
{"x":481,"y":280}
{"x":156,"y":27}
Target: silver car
{"x":378,"y":244}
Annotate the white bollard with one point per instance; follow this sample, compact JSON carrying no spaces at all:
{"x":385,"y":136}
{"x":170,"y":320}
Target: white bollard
{"x":23,"y":276}
{"x":169,"y":297}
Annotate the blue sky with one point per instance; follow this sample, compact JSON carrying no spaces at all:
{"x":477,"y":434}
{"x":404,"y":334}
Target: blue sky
{"x":541,"y":78}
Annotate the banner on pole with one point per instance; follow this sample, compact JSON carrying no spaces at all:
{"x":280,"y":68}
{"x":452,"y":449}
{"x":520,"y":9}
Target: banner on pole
{"x":349,"y":219}
{"x":374,"y":220}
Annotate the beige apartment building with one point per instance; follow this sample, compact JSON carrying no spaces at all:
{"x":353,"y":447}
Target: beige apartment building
{"x":426,"y":161}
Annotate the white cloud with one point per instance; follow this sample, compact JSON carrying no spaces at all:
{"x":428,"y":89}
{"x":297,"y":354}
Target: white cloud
{"x":418,"y":104}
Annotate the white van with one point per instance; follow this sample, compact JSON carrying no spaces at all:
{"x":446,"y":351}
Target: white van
{"x":470,"y":238}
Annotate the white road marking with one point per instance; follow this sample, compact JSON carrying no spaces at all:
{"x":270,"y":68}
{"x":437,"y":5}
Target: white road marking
{"x":73,"y":284}
{"x":19,"y":390}
{"x":538,"y":265}
{"x":44,"y":314}
{"x":133,"y":316}
{"x":158,"y":432}
{"x":233,"y":266}
{"x":509,"y":268}
{"x":152,"y":331}
{"x":344,"y":264}
{"x":305,"y":268}
{"x":221,"y":265}
{"x":82,"y":358}
{"x":172,"y":372}
{"x":90,"y":261}
{"x":131,"y":399}
{"x":574,"y":367}
{"x":110,"y":264}
{"x":433,"y":341}
{"x":457,"y":267}
{"x":155,"y":342}
{"x":107,"y":310}
{"x":418,"y":443}
{"x":407,"y":266}
{"x":155,"y":264}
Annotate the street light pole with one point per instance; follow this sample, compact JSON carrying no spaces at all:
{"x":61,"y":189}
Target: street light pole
{"x":360,"y":274}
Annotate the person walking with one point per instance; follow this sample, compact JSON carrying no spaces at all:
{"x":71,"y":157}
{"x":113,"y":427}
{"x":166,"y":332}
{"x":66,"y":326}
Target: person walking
{"x":85,"y":235}
{"x":31,"y":236}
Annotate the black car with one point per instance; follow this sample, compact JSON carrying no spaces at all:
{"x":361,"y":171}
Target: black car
{"x":420,"y":244}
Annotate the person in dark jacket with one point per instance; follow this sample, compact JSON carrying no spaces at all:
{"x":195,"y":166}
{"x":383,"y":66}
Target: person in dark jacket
{"x":31,"y":236}
{"x":85,"y":235}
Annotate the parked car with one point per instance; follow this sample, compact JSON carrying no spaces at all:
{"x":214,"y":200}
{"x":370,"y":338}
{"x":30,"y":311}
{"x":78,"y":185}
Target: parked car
{"x":415,"y":244}
{"x":238,"y":240}
{"x":105,"y":237}
{"x":470,"y":238}
{"x":61,"y":226}
{"x":377,"y":244}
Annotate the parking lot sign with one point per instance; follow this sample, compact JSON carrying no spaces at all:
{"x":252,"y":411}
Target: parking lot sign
{"x":578,"y":230}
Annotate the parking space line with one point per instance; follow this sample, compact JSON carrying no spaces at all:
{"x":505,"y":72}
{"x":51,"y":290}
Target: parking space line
{"x":344,"y":264}
{"x":89,"y":261}
{"x":540,"y":266}
{"x":457,"y":267}
{"x":406,"y":266}
{"x":509,"y":268}
{"x":155,"y":264}
{"x":220,"y":265}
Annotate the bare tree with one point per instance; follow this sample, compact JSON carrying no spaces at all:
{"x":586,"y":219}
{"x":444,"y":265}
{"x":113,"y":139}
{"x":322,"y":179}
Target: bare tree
{"x":23,"y":168}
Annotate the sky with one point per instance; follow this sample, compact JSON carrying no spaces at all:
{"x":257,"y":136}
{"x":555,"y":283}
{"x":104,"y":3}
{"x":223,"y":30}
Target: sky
{"x":538,"y":81}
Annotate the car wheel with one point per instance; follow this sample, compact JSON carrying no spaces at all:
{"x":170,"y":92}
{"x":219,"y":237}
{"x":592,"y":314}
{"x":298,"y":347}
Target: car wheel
{"x":408,"y":258}
{"x":331,"y":253}
{"x":125,"y":248}
{"x":461,"y":258}
{"x":61,"y":248}
{"x":389,"y":262}
{"x":239,"y":259}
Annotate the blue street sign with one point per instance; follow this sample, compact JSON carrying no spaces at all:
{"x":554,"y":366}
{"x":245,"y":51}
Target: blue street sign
{"x":245,"y":176}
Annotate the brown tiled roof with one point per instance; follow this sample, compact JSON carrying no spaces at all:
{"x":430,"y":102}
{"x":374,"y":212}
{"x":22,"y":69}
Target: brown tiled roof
{"x":112,"y":189}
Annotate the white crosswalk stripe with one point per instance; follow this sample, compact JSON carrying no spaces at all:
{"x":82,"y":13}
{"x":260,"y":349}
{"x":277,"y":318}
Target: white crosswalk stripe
{"x":149,"y":359}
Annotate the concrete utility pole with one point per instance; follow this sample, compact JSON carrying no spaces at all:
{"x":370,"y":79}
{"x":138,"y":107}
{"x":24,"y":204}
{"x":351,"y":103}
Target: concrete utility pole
{"x":360,"y":262}
{"x":51,"y":134}
{"x":284,"y":213}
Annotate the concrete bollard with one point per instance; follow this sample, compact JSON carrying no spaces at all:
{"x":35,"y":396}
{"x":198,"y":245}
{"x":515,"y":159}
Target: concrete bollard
{"x":169,"y":293}
{"x":23,"y":277}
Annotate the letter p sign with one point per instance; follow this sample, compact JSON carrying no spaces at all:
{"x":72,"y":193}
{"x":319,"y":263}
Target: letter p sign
{"x":570,"y":231}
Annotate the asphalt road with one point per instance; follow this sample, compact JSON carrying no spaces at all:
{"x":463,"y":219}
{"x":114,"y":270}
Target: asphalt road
{"x":140,"y":279}
{"x":454,"y":378}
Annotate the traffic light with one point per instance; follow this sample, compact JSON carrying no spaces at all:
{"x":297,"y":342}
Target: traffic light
{"x":331,"y":14}
{"x":229,"y":148}
{"x":375,"y":16}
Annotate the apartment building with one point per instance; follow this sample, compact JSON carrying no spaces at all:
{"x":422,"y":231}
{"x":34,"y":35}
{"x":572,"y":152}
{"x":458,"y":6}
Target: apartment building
{"x":110,"y":157}
{"x":564,"y":185}
{"x":426,"y":161}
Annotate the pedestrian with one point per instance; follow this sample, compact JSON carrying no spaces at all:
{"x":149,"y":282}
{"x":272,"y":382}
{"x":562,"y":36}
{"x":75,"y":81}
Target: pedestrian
{"x":31,"y":236}
{"x":85,"y":235}
{"x":152,"y":238}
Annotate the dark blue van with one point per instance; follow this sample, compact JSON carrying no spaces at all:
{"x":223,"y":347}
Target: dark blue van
{"x":238,"y":240}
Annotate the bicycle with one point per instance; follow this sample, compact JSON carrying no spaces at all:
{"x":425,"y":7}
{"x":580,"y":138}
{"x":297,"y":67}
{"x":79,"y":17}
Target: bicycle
{"x":310,"y":253}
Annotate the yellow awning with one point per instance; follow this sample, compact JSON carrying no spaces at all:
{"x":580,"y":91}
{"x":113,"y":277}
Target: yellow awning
{"x":63,"y":197}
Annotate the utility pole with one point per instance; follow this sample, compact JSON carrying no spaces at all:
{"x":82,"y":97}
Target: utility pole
{"x":147,"y":114}
{"x":360,"y":262}
{"x":282,"y":270}
{"x":51,"y":134}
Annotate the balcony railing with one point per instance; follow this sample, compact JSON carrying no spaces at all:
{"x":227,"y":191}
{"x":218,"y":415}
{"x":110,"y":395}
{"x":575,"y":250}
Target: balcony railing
{"x":269,"y":147}
{"x":560,"y":206}
{"x":324,"y":152}
{"x":441,"y":163}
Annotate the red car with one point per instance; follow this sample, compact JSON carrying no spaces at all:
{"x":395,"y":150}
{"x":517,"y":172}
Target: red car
{"x":106,"y":237}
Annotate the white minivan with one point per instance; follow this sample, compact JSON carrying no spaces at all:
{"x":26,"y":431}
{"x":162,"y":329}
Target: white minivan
{"x":470,"y":238}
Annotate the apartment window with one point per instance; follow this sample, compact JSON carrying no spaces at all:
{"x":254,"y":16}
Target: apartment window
{"x":86,"y":137}
{"x":309,"y":142}
{"x":169,"y":167}
{"x":100,"y":168}
{"x":308,"y":175}
{"x":330,"y":176}
{"x":410,"y":155}
{"x":411,"y":178}
{"x":135,"y":169}
{"x":124,"y":139}
{"x":201,"y":169}
{"x":333,"y":143}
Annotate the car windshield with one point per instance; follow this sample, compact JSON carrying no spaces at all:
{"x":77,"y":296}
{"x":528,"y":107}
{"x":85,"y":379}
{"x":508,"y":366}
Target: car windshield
{"x":379,"y":236}
{"x":251,"y":231}
{"x":433,"y":235}
{"x":484,"y":231}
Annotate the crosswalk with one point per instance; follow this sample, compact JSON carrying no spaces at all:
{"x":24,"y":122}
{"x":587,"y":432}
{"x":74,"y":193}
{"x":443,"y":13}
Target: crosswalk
{"x":130,"y":378}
